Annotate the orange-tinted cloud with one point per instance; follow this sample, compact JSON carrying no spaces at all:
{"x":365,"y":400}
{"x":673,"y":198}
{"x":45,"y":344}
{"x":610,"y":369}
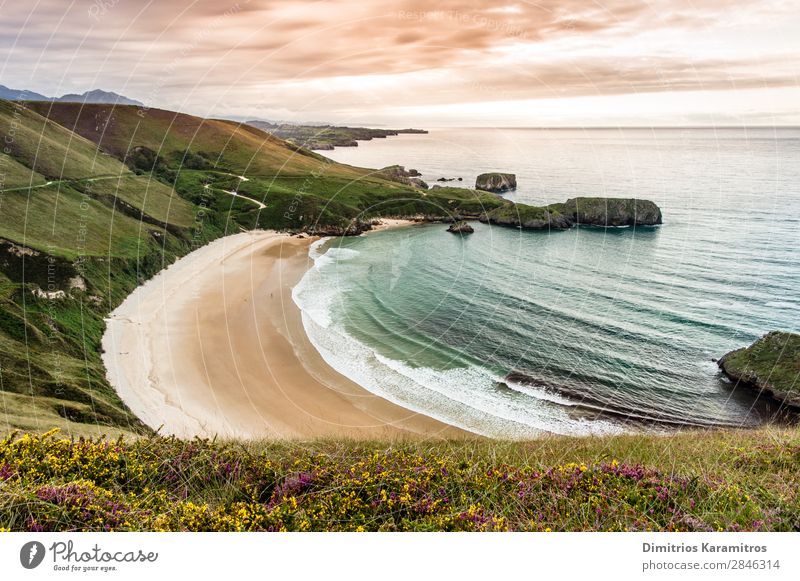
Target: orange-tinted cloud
{"x":321,"y":57}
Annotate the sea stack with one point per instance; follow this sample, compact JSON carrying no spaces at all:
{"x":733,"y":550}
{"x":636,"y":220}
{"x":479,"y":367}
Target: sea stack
{"x":461,"y":227}
{"x":496,"y":182}
{"x":605,"y":212}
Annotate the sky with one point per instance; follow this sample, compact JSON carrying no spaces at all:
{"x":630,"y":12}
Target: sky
{"x":421,"y":63}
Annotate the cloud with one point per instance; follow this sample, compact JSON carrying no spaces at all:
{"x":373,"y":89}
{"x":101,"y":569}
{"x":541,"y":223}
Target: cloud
{"x":238,"y":55}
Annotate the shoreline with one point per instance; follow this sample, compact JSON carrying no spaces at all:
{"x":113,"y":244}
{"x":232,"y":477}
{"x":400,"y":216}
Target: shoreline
{"x":214,"y":346}
{"x":391,"y":224}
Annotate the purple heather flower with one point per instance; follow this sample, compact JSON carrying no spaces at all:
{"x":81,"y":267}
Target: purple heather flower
{"x":6,"y":471}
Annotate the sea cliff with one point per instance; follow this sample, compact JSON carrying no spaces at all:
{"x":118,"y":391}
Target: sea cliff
{"x":771,"y":365}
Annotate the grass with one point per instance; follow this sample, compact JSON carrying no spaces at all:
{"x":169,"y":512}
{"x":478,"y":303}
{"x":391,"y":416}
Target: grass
{"x":724,"y":480}
{"x":90,"y":237}
{"x":302,"y":202}
{"x":228,"y":145}
{"x":772,"y":363}
{"x":526,"y":216}
{"x":13,"y":174}
{"x":151,"y":197}
{"x":68,"y":223}
{"x":50,"y":149}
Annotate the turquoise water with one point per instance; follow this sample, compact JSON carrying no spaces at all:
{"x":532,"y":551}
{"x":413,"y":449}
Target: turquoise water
{"x":616,"y":329}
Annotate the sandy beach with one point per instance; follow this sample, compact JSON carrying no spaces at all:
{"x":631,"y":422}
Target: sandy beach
{"x":214,"y":346}
{"x":390,"y":223}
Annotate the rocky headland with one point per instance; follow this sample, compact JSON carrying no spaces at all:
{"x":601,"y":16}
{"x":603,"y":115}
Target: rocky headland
{"x":455,"y":205}
{"x":771,"y":366}
{"x":398,"y":173}
{"x":326,"y":137}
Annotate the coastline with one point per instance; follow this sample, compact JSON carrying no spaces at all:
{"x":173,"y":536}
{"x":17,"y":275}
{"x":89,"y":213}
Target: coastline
{"x":214,"y":346}
{"x":391,"y":224}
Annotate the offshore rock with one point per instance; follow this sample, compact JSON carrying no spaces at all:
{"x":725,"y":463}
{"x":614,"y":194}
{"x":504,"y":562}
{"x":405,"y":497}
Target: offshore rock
{"x":461,"y":227}
{"x":496,"y":182}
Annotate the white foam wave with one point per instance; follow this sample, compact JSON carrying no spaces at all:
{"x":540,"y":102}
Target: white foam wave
{"x":539,"y":393}
{"x":464,"y":397}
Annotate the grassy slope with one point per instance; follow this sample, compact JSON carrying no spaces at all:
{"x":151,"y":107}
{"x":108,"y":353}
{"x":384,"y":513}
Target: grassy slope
{"x":51,"y":219}
{"x":152,"y":197}
{"x":227,"y":144}
{"x":300,"y":189}
{"x":49,"y":149}
{"x":723,"y":480}
{"x":527,"y":215}
{"x":97,"y":226}
{"x":16,"y":175}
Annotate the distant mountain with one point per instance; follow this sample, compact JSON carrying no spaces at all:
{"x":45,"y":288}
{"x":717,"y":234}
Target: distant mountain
{"x":96,"y":96}
{"x":20,"y":95}
{"x":99,"y":97}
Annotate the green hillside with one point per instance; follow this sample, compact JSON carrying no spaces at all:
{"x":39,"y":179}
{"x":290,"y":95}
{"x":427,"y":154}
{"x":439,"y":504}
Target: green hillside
{"x":78,"y":231}
{"x":300,"y":189}
{"x":49,"y":149}
{"x":221,"y":144}
{"x":771,"y":364}
{"x":17,"y":175}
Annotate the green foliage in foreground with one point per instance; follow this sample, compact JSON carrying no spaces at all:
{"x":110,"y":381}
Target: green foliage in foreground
{"x":721,"y":481}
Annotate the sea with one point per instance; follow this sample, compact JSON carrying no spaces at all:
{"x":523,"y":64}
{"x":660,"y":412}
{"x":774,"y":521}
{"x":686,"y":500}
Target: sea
{"x":603,"y":330}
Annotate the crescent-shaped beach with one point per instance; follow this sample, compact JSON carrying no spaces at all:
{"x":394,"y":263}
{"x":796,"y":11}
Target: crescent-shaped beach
{"x":215,"y":346}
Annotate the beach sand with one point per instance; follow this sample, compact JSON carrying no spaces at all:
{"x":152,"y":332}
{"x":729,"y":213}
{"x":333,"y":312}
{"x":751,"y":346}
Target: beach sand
{"x":391,"y":223}
{"x":215,"y":346}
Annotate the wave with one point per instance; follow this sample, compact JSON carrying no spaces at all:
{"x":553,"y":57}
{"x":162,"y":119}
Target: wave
{"x":467,"y":397}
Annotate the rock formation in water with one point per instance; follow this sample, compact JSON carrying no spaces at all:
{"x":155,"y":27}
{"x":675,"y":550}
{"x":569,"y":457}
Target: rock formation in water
{"x":398,"y":173}
{"x":610,"y":211}
{"x":461,"y":227}
{"x":496,"y":182}
{"x":601,"y":212}
{"x":771,"y":365}
{"x":527,"y":217}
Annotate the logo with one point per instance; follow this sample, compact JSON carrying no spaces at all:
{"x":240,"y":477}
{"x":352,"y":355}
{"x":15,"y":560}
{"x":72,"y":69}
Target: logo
{"x":31,"y":554}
